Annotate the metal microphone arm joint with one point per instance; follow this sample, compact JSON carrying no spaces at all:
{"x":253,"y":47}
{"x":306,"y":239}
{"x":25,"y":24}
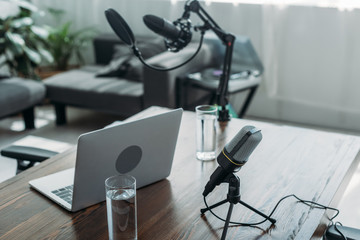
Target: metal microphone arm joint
{"x":202,"y":28}
{"x":136,"y":51}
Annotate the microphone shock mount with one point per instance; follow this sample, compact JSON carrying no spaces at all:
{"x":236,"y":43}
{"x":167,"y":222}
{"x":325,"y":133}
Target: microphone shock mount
{"x":185,"y":31}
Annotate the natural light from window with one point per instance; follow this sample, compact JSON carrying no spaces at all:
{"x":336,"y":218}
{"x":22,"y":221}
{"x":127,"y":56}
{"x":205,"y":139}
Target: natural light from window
{"x":340,"y":4}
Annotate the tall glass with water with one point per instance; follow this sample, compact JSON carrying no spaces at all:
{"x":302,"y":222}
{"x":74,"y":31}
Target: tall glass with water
{"x":121,"y":207}
{"x":206,"y":118}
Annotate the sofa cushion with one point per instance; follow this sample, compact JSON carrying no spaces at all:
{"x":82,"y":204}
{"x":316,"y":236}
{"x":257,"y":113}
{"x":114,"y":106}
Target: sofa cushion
{"x":124,"y":64}
{"x":17,"y":94}
{"x":81,"y":88}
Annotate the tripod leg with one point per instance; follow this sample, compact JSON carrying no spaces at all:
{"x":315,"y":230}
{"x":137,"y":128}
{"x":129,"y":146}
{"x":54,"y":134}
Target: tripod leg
{"x":226,"y":226}
{"x":258,"y":212}
{"x":203,"y":210}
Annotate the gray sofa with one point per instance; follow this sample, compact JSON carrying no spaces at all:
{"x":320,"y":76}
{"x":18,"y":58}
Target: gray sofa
{"x":20,"y":95}
{"x":122,"y":95}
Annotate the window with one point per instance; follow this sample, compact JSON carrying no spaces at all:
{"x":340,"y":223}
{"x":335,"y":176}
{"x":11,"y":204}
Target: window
{"x":341,"y":4}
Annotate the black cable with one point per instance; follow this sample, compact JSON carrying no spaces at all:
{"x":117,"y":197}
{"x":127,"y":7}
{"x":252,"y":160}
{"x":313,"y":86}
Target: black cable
{"x":338,"y":230}
{"x":319,"y":206}
{"x":306,"y":202}
{"x":250,"y":224}
{"x":138,"y":54}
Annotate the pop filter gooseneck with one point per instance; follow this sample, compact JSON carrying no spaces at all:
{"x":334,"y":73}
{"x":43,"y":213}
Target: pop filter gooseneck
{"x":123,"y":31}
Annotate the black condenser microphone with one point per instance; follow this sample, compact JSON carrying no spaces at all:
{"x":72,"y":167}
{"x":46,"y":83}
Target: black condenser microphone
{"x":234,"y":155}
{"x":162,"y":27}
{"x":177,"y":34}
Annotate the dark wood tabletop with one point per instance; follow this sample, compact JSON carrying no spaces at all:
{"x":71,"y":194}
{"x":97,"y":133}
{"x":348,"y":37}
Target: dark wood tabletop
{"x":314,"y":165}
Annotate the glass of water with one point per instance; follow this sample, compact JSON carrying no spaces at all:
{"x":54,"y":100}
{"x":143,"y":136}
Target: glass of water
{"x":121,"y":207}
{"x":206,"y":117}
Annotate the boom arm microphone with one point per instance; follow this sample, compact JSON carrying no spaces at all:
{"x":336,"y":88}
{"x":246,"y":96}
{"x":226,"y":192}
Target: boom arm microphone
{"x":177,"y":35}
{"x":234,"y":155}
{"x":123,"y":31}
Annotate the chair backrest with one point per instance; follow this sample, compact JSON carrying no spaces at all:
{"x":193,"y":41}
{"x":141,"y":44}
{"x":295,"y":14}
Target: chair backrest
{"x":244,"y":57}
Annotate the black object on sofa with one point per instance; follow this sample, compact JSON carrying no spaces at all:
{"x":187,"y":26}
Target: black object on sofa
{"x":20,"y":95}
{"x":124,"y":95}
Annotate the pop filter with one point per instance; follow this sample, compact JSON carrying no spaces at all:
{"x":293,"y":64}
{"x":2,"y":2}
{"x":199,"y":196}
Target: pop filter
{"x":120,"y":27}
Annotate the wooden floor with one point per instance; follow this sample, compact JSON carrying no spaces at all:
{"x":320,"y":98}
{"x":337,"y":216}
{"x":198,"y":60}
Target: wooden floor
{"x":81,"y":121}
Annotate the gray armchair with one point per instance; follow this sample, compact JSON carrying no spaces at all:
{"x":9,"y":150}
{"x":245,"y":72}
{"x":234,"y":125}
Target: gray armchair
{"x":121,"y":95}
{"x":19,"y":95}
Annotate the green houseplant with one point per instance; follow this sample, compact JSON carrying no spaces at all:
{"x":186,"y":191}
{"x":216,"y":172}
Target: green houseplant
{"x":64,"y":43}
{"x":23,"y":45}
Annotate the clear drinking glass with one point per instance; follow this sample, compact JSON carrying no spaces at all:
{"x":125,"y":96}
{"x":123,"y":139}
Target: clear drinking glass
{"x":121,"y":207}
{"x":206,"y":117}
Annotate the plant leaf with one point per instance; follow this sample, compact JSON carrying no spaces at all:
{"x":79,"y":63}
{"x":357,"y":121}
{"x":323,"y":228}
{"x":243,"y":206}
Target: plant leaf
{"x":2,"y":45}
{"x":8,"y":9}
{"x":22,"y":22}
{"x":33,"y":55}
{"x":65,"y":29}
{"x":23,"y":66}
{"x":40,"y":32}
{"x":9,"y":54}
{"x":26,"y":5}
{"x":16,"y":42}
{"x":57,"y":13}
{"x":45,"y":54}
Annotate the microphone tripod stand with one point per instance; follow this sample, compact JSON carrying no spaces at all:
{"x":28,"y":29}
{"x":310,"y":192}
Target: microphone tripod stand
{"x":233,"y":197}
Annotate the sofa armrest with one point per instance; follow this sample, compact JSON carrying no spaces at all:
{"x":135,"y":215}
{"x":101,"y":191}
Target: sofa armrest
{"x":160,"y":86}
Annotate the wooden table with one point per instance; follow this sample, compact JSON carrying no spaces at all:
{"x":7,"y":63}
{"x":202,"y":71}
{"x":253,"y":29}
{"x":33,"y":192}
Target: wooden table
{"x":314,"y":165}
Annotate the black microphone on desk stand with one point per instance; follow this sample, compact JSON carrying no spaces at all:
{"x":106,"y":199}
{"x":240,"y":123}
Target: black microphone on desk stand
{"x":234,"y":155}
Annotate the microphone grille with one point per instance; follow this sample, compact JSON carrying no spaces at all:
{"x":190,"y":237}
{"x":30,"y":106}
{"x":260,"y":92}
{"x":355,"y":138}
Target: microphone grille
{"x":244,"y":143}
{"x":155,"y":23}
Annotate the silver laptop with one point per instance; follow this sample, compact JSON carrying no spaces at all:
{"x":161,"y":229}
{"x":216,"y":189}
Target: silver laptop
{"x":143,"y":148}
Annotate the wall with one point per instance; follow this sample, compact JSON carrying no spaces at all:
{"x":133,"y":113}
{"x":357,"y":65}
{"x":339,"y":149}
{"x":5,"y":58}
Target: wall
{"x":310,"y":54}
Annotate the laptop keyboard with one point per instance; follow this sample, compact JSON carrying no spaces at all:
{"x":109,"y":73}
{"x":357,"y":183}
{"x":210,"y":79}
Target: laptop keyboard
{"x":65,"y":193}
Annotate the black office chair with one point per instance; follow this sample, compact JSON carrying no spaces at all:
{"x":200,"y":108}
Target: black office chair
{"x":26,"y":157}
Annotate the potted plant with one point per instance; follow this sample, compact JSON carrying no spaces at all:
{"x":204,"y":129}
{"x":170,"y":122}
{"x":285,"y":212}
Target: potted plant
{"x":65,"y":43}
{"x":22,"y":43}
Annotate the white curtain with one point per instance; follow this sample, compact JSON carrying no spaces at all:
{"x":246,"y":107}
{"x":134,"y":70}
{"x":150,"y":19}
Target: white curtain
{"x":311,"y":56}
{"x":310,"y":53}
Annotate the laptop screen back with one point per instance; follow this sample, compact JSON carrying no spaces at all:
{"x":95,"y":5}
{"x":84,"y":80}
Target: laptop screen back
{"x":142,"y":148}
